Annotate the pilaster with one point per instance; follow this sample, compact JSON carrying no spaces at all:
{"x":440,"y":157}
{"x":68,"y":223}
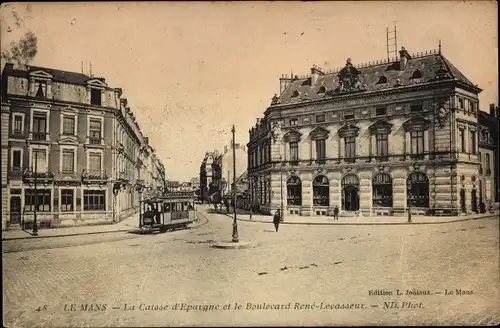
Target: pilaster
{"x":306,"y":178}
{"x":365,"y":192}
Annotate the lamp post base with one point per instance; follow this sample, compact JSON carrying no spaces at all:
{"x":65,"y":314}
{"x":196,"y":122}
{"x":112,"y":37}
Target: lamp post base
{"x":232,"y":245}
{"x":236,"y":238}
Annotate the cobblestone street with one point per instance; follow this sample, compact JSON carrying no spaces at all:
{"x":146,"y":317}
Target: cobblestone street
{"x":311,"y":267}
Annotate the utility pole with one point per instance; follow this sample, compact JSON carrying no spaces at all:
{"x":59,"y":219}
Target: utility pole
{"x":281,"y":183}
{"x":235,"y":222}
{"x":35,"y":227}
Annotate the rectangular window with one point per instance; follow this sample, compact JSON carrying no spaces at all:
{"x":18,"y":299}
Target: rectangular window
{"x":95,"y":162}
{"x":67,"y":197}
{"x":39,"y":159}
{"x":416,"y":108}
{"x":95,"y":97}
{"x":294,"y":121}
{"x":294,"y":151}
{"x":461,"y":103}
{"x":381,"y":111}
{"x":39,"y":127}
{"x":417,"y":142}
{"x":39,"y":199}
{"x":487,"y":164}
{"x":95,"y":131}
{"x":320,"y":118}
{"x":94,"y":200}
{"x":382,"y":144}
{"x":349,"y":115}
{"x":16,"y":159}
{"x":480,"y":160}
{"x":350,"y":148}
{"x":320,"y":150}
{"x":69,"y":125}
{"x":18,"y":124}
{"x":473,"y":142}
{"x":461,"y":136}
{"x":68,"y":160}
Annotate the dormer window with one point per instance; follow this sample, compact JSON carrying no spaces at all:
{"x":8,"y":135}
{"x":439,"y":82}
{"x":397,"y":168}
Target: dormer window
{"x":41,"y":89}
{"x":295,"y":93}
{"x":382,"y":80}
{"x":95,"y":97}
{"x":417,"y":74}
{"x":322,"y":89}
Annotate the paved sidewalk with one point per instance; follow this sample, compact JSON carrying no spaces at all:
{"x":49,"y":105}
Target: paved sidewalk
{"x":130,"y":223}
{"x":127,"y":224}
{"x":359,"y":220}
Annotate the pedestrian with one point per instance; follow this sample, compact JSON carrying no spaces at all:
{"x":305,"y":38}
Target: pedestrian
{"x":336,"y":213}
{"x":277,"y":219}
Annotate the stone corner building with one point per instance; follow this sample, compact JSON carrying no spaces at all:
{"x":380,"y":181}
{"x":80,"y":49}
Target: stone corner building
{"x":72,"y":150}
{"x":372,"y":139}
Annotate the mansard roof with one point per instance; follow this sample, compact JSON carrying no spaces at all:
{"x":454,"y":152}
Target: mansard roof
{"x":420,"y":69}
{"x":57,"y":75}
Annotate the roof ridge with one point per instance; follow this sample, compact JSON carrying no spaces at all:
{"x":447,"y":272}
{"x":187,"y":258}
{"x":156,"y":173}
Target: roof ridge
{"x":445,"y":62}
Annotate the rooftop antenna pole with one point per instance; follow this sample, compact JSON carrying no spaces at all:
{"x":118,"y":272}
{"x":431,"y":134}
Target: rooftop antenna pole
{"x":90,"y":67}
{"x":439,"y":46}
{"x":392,"y":44}
{"x":82,"y":66}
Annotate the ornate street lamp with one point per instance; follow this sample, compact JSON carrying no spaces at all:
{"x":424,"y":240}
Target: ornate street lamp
{"x":275,"y":135}
{"x":235,"y":222}
{"x":281,"y":186}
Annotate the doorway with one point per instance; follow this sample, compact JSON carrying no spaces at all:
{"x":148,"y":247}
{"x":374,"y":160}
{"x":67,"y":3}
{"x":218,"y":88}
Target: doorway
{"x":15,"y":210}
{"x":351,"y":198}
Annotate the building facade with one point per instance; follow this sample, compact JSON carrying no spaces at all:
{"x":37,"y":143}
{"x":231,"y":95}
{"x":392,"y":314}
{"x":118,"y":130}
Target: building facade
{"x":489,"y":189}
{"x":206,"y":174}
{"x":227,"y":165}
{"x":62,"y":147}
{"x":382,"y":138}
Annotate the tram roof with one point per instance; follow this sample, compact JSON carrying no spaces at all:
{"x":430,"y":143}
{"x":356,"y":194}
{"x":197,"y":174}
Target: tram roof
{"x":172,"y":196}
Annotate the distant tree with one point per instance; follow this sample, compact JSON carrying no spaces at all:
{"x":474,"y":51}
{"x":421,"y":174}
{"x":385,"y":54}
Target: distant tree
{"x":23,"y":45}
{"x":23,"y":51}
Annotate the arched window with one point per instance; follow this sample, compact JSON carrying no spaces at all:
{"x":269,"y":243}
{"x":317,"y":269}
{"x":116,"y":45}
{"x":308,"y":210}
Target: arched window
{"x":350,"y":193}
{"x":417,"y":74}
{"x":382,"y":80}
{"x":382,"y":190}
{"x":418,"y":190}
{"x":294,"y":191}
{"x":321,"y":191}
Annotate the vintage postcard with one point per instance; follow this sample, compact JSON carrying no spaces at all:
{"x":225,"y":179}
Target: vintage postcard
{"x":170,"y":164}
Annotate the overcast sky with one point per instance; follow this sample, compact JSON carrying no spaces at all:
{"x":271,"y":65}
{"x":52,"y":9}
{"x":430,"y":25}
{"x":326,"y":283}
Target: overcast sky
{"x":191,"y":70}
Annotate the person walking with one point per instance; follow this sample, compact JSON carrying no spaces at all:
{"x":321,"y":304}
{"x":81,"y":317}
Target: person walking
{"x":336,"y":213}
{"x":277,"y":219}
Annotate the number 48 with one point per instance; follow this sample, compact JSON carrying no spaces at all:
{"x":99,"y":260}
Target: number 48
{"x":42,"y":308}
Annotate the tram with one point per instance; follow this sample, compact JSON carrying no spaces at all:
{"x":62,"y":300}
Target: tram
{"x":171,"y":211}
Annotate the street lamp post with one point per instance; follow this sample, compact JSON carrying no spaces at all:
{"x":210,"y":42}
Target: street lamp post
{"x":281,"y":183}
{"x":409,"y":201}
{"x":235,"y":222}
{"x":35,"y":226}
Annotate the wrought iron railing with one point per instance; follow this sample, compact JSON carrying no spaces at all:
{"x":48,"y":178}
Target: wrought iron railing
{"x":39,"y":135}
{"x":98,"y":175}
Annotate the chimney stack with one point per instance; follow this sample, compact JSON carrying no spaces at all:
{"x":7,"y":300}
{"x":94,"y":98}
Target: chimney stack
{"x":492,"y":110}
{"x":404,"y":57}
{"x":315,"y":73}
{"x":285,"y":82}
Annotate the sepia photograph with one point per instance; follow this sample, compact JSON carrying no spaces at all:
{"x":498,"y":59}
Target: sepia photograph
{"x":250,"y":164}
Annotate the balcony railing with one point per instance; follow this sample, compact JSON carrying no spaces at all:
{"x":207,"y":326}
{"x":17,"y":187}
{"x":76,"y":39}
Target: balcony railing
{"x":94,"y":140}
{"x":94,"y":175}
{"x":41,"y":176}
{"x":39,"y":135}
{"x":15,"y":174}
